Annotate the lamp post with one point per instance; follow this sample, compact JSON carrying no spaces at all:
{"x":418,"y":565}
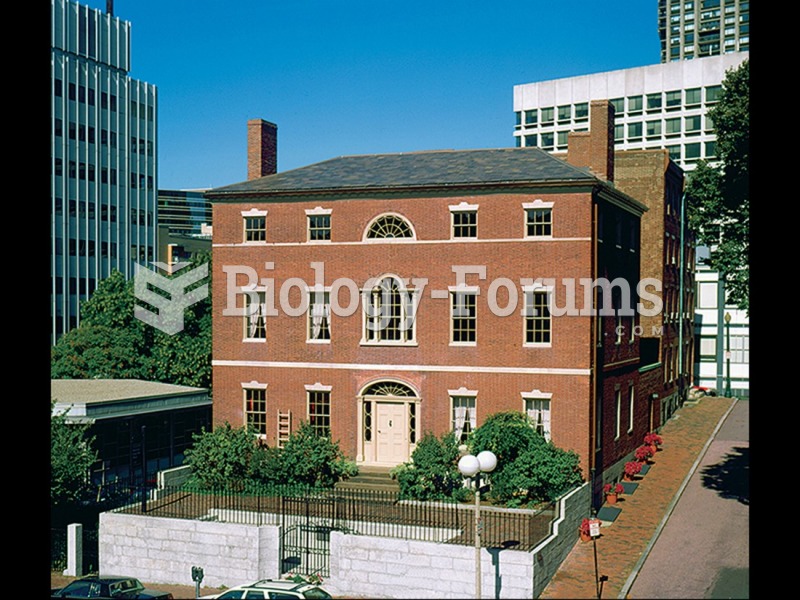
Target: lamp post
{"x":728,"y":354}
{"x":472,"y":466}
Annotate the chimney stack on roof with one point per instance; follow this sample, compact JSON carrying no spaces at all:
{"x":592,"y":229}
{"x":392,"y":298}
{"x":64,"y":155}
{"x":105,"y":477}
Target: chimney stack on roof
{"x":262,"y":148}
{"x":595,"y":148}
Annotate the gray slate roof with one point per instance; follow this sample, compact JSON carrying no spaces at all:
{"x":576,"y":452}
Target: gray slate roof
{"x":416,"y":169}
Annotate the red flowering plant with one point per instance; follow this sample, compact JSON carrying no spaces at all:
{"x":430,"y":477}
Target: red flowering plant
{"x":610,"y":488}
{"x":584,"y":528}
{"x":632,"y":468}
{"x":653,"y":439}
{"x":643,"y":453}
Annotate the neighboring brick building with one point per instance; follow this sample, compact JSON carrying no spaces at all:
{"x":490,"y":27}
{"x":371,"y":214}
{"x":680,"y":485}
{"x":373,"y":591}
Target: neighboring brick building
{"x":522,"y":227}
{"x":650,"y":176}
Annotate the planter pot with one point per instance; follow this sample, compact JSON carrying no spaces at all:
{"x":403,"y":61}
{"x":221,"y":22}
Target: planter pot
{"x":654,"y":448}
{"x":611,"y":498}
{"x":585,"y":537}
{"x":626,"y":477}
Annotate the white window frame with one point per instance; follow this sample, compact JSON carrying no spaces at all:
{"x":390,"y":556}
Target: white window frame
{"x":325,"y":314}
{"x":474,"y":291}
{"x":255,"y":386}
{"x":386,"y":240}
{"x":316,"y":389}
{"x":462,"y":207}
{"x":537,"y":204}
{"x":468,"y":416}
{"x":248,"y":214}
{"x":247,"y":324}
{"x":546,"y":412}
{"x":317,"y":212}
{"x":618,"y":409}
{"x":408,"y":316}
{"x":530,"y":289}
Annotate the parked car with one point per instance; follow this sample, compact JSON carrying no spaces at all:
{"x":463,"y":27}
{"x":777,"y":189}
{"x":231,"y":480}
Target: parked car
{"x":698,"y":391}
{"x":108,"y":587}
{"x":269,"y":589}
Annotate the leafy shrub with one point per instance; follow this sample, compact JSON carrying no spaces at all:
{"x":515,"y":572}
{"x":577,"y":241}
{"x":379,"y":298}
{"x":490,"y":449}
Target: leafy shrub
{"x":508,"y":434}
{"x":222,"y":458}
{"x":306,"y":459}
{"x":432,"y":473}
{"x":232,"y":459}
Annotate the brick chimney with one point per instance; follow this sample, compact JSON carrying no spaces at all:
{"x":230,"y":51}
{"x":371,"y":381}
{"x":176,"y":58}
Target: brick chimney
{"x":262,"y":148}
{"x":595,"y":148}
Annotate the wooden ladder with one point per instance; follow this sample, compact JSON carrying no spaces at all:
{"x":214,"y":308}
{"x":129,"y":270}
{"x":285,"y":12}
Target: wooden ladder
{"x":284,"y":427}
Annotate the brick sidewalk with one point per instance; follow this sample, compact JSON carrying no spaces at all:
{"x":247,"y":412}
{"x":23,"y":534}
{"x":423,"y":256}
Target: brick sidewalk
{"x":622,"y":543}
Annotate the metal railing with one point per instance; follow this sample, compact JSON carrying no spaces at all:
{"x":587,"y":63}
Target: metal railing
{"x":358,"y":512}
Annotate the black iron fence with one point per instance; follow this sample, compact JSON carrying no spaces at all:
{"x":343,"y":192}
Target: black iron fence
{"x":359,"y":512}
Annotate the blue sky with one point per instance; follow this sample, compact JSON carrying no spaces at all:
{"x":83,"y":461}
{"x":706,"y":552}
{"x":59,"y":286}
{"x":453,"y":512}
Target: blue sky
{"x":343,"y":77}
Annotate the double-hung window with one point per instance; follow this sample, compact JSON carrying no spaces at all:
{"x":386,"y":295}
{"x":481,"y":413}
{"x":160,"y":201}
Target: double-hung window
{"x":537,"y":406}
{"x":319,"y":316}
{"x":255,"y":407}
{"x":255,"y":225}
{"x":464,"y":221}
{"x":463,"y":411}
{"x":538,"y":321}
{"x":538,"y":219}
{"x":319,"y":224}
{"x":255,"y":315}
{"x":463,"y":316}
{"x":319,"y":409}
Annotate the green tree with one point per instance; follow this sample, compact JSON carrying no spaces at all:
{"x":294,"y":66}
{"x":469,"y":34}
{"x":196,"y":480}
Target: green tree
{"x":111,"y":343}
{"x":98,"y":352}
{"x":718,"y":197}
{"x":71,"y":457}
{"x":185,"y":357}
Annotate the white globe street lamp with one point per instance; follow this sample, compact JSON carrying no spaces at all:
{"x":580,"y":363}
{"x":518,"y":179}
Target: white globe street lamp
{"x":472,"y":467}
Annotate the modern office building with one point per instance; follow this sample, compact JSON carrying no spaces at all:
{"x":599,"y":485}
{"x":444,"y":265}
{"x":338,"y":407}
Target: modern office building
{"x":104,"y":177}
{"x":661,"y":106}
{"x":696,"y":28}
{"x":656,"y":106}
{"x":184,"y":212}
{"x":184,"y":225}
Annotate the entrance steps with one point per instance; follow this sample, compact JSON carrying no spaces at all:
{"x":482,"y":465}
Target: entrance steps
{"x":371,"y":478}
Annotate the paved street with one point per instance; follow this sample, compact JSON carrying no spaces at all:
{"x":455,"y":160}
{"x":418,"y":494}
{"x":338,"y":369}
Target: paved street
{"x":703,"y":550}
{"x":623,"y":546}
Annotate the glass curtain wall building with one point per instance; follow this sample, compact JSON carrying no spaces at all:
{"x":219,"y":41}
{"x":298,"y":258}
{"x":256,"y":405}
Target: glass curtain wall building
{"x":104,"y":178}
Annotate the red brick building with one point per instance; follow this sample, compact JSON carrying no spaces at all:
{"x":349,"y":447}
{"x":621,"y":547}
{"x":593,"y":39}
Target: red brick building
{"x":380,"y":297}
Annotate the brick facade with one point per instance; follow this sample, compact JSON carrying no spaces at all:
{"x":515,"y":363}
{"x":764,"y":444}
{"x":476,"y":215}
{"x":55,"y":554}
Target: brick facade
{"x":597,"y":232}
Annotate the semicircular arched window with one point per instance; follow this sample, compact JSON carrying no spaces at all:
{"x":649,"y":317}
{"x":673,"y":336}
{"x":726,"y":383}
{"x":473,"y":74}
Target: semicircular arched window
{"x":389,"y":226}
{"x":389,"y":388}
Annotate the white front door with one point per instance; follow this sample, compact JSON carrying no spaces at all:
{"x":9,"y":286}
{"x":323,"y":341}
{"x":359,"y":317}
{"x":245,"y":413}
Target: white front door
{"x":392,"y":447}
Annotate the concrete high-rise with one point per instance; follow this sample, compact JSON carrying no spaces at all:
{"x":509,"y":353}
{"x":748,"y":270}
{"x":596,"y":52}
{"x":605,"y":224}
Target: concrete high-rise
{"x":664,"y":106}
{"x":104,"y":177}
{"x":696,"y":28}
